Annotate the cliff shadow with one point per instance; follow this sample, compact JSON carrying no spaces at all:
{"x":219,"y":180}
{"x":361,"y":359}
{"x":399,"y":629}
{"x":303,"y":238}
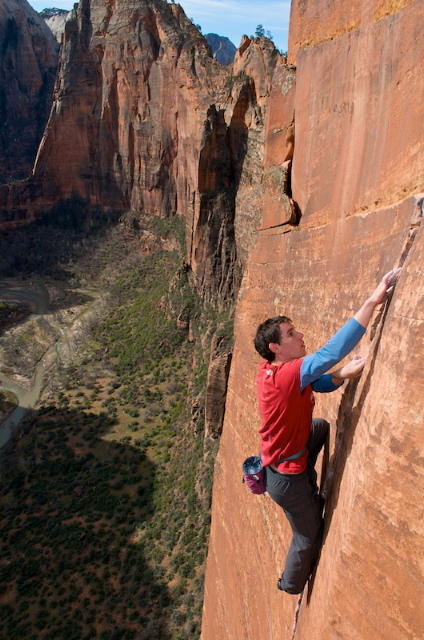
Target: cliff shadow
{"x":61,"y":252}
{"x":221,"y":160}
{"x":238,"y":132}
{"x":73,"y":506}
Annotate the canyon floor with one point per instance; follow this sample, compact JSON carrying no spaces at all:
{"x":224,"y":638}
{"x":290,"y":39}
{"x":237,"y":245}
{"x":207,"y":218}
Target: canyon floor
{"x":104,"y":526}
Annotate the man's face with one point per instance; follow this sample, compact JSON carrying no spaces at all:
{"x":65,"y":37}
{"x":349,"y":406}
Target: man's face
{"x":291,"y":344}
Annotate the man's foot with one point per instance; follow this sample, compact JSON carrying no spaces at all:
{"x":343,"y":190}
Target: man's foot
{"x":292,"y":594}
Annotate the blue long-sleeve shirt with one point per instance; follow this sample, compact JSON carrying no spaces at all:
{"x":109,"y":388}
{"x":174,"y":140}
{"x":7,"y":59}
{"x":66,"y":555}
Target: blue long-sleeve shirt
{"x":314,"y":367}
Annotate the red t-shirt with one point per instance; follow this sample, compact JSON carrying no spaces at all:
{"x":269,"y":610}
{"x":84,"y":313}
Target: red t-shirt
{"x":286,"y":414}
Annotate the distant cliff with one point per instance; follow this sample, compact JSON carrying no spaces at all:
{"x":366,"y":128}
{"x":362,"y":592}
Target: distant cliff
{"x":144,"y":119}
{"x":28,"y":63}
{"x":55,"y":20}
{"x":223,"y":49}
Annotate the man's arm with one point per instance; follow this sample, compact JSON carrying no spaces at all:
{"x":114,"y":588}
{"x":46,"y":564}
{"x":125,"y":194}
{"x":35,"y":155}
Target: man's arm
{"x":332,"y":381}
{"x":386,"y":286}
{"x":315,"y":365}
{"x":325,"y":384}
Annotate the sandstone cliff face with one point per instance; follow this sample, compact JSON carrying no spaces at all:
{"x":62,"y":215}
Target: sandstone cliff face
{"x":28,"y":62}
{"x":357,"y":180}
{"x":127,"y":76}
{"x":230,"y":174}
{"x":144,"y":119}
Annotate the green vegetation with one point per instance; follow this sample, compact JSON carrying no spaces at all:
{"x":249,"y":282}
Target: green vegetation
{"x":12,"y":312}
{"x":102,"y":529}
{"x":261,"y":33}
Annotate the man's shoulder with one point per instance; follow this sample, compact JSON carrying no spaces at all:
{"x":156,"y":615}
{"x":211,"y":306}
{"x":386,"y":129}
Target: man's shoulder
{"x":291,"y":367}
{"x":285,"y":369}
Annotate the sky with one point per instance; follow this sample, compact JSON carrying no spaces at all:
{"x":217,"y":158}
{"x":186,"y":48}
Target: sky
{"x":230,"y":18}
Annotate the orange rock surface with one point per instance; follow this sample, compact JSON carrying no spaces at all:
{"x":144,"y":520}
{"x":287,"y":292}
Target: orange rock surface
{"x":132,"y":94}
{"x":357,"y":180}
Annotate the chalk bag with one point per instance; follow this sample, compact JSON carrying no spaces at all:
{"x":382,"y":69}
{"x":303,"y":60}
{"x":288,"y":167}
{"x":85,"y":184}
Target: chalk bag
{"x":254,"y":474}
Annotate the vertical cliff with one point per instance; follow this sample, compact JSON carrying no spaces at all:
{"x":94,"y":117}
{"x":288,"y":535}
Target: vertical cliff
{"x":28,"y":63}
{"x":144,"y":119}
{"x":130,"y":74}
{"x":355,"y":104}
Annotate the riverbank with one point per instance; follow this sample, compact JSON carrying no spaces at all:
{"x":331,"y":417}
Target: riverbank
{"x":12,"y":312}
{"x":47,"y":318}
{"x":8,"y":403}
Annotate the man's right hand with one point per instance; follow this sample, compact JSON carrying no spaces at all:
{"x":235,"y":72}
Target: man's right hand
{"x":386,"y":286}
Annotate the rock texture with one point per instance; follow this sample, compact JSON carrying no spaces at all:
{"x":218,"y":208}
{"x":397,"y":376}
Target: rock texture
{"x":28,"y":63}
{"x":357,"y":180}
{"x":230,"y":174}
{"x":216,"y":388}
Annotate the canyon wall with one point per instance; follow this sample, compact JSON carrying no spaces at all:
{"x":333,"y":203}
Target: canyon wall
{"x":28,"y":63}
{"x":355,"y":102}
{"x":144,"y":119}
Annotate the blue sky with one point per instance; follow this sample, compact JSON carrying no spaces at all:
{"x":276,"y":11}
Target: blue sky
{"x":231,"y":18}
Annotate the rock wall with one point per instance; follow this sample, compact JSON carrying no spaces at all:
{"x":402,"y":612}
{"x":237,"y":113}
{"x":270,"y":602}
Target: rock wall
{"x":357,"y":182}
{"x":127,"y":86}
{"x":144,"y":119}
{"x":28,"y":63}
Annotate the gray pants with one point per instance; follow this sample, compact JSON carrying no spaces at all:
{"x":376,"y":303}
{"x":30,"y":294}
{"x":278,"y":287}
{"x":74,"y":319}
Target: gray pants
{"x":298,"y":495}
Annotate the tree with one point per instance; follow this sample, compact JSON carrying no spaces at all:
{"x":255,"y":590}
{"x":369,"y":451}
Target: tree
{"x":260,"y":31}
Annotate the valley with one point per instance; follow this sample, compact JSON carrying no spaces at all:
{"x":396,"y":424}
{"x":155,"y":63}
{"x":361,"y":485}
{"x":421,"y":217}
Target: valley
{"x":104,"y":493}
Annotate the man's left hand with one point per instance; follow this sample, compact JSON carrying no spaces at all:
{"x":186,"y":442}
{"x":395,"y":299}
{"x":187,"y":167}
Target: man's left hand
{"x":349,"y":371}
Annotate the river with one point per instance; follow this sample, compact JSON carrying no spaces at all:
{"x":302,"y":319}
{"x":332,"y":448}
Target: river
{"x":26,"y":398}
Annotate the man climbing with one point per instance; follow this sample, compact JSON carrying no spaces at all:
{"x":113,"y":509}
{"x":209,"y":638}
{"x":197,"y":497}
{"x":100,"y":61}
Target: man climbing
{"x":290,"y":439}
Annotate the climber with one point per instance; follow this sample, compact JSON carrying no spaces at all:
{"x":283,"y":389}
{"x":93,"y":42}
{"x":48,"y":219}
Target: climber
{"x":290,"y":439}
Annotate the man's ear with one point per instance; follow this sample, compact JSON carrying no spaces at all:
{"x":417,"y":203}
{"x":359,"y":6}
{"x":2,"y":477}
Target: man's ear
{"x":273,"y":346}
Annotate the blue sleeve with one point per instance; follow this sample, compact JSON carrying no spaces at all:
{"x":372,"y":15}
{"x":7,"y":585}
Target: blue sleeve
{"x":315,"y":365}
{"x":324,"y":384}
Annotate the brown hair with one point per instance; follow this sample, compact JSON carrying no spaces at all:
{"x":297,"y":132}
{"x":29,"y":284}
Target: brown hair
{"x":268,"y":331}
